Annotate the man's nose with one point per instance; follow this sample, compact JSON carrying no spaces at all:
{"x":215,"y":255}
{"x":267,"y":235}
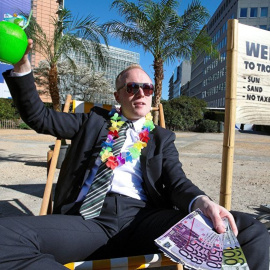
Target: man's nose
{"x":140,"y":92}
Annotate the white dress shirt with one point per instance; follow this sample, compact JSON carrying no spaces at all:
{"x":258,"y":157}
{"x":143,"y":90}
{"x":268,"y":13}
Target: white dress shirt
{"x":127,"y":179}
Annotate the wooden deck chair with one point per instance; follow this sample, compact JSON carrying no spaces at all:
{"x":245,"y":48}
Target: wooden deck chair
{"x":85,"y":107}
{"x":135,"y":262}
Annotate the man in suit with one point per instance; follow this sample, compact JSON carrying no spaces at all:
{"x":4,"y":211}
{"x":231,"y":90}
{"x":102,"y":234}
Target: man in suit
{"x":145,"y":197}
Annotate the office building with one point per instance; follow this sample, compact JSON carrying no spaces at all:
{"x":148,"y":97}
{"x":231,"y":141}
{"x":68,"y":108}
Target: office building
{"x":10,"y":7}
{"x":116,"y":60}
{"x":43,"y":11}
{"x":180,"y":77}
{"x":208,"y":76}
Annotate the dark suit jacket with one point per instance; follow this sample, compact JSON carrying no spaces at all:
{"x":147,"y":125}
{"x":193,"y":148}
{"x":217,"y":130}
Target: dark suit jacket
{"x":164,"y":180}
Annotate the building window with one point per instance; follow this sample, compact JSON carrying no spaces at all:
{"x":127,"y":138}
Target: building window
{"x":243,"y":12}
{"x":203,"y":94}
{"x":253,"y":12}
{"x":264,"y":27}
{"x":264,"y":12}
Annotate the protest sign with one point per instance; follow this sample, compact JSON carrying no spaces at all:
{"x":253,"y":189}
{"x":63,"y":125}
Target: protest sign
{"x":253,"y":76}
{"x":247,"y":97}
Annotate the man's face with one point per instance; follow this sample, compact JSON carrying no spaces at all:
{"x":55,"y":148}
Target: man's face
{"x":134,"y":106}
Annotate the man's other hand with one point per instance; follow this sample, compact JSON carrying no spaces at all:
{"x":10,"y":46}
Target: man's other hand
{"x":24,"y":64}
{"x":215,"y":212}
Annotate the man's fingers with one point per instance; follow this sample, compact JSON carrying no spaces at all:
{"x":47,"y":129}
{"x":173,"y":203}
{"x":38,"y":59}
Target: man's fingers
{"x":217,"y":222}
{"x":233,"y":224}
{"x":24,"y":65}
{"x":29,"y":47}
{"x":216,"y":213}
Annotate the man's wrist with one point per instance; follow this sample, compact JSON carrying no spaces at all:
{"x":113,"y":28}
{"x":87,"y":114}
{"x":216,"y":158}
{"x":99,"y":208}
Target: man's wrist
{"x":22,"y":66}
{"x":197,"y":202}
{"x":19,"y":74}
{"x":22,"y":69}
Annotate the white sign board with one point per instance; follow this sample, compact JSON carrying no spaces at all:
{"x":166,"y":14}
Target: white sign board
{"x":253,"y":82}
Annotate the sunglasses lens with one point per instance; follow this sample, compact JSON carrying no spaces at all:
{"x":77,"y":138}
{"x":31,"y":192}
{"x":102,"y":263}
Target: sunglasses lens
{"x":133,"y":88}
{"x":148,"y":89}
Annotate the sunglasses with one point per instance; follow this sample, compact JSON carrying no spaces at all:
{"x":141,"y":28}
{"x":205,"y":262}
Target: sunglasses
{"x":133,"y":88}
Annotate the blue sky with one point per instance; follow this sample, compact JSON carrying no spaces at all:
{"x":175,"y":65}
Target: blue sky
{"x":101,"y":9}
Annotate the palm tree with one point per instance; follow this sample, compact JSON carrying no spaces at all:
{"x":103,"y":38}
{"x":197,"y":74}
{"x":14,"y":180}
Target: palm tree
{"x":69,"y":34}
{"x":157,"y":27}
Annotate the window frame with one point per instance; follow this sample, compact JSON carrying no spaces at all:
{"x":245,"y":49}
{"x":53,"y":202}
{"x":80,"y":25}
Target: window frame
{"x":255,"y":9}
{"x":261,"y":9}
{"x":263,"y":26}
{"x":242,"y":9}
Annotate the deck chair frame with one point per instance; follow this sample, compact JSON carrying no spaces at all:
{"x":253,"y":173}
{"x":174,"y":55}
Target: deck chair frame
{"x":136,"y":262}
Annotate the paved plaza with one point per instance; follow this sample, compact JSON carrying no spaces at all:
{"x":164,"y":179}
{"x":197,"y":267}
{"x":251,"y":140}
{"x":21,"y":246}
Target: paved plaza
{"x":23,"y":168}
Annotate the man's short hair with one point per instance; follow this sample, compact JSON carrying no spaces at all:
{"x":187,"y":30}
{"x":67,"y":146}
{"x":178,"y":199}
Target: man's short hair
{"x":120,"y":76}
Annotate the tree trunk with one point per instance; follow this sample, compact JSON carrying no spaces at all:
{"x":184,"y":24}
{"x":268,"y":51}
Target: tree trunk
{"x":53,"y":88}
{"x":159,"y":76}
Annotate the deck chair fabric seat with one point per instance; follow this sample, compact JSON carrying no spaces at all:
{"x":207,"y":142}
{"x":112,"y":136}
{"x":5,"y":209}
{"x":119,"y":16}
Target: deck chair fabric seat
{"x":52,"y":155}
{"x":125,"y":263}
{"x":85,"y":107}
{"x":136,"y":262}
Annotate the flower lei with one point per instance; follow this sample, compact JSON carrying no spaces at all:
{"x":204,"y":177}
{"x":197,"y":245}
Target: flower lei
{"x":134,"y":151}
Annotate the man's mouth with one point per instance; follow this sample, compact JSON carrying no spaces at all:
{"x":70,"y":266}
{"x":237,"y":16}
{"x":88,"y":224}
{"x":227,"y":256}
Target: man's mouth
{"x":139,"y":103}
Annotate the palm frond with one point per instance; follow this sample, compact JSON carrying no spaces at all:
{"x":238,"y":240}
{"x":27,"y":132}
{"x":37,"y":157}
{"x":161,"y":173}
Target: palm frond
{"x":157,"y":27}
{"x":69,"y":34}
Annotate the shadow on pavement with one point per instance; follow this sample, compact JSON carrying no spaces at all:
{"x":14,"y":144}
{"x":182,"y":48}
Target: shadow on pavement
{"x":13,"y":207}
{"x":36,"y":190}
{"x":22,"y":158}
{"x":253,"y":132}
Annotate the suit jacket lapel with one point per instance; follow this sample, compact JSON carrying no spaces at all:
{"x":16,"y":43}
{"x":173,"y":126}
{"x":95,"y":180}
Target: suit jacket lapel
{"x":146,"y":150}
{"x":148,"y":182}
{"x":103,"y":132}
{"x":145,"y":157}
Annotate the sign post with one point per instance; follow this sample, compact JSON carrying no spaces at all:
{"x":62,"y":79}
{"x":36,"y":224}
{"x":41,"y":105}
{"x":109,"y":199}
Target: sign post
{"x":229,"y":123}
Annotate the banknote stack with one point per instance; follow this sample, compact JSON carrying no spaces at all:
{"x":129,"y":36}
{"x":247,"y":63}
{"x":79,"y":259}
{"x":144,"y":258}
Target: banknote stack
{"x":193,"y":243}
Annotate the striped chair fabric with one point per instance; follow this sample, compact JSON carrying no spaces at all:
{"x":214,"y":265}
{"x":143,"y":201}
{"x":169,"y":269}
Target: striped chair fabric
{"x":125,"y":263}
{"x":85,"y":107}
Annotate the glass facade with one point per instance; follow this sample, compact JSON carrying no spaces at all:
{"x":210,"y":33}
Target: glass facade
{"x":208,"y":75}
{"x":116,"y":60}
{"x":179,"y":79}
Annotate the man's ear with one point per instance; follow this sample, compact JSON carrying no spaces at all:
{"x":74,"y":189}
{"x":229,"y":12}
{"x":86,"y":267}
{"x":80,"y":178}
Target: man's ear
{"x":116,"y":96}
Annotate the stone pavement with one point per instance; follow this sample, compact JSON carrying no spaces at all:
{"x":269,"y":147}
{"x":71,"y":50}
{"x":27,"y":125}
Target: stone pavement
{"x":23,"y":168}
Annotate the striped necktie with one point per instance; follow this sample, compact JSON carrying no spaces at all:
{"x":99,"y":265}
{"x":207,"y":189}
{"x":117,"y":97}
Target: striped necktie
{"x":92,"y":204}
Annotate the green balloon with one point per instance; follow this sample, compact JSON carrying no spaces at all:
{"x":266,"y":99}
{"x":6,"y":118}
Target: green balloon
{"x":13,"y":42}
